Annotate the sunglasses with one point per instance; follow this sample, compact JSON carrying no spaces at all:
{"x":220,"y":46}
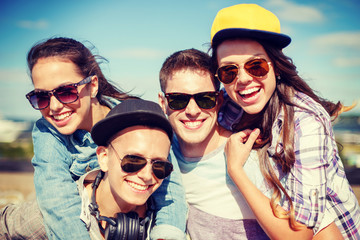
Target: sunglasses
{"x":134,"y":163}
{"x":40,"y":99}
{"x":205,"y":100}
{"x":257,"y":67}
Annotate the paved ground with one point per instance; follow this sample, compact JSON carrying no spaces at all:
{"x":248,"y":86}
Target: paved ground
{"x":16,"y":187}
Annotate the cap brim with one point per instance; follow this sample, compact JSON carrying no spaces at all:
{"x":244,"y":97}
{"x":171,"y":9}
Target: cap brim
{"x":103,"y":131}
{"x":278,"y":39}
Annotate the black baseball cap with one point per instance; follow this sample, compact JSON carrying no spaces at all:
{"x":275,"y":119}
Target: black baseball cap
{"x":132,"y":112}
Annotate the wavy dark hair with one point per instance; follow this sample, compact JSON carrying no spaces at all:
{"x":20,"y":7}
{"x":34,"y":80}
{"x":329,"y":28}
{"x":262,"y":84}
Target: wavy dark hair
{"x":87,"y":63}
{"x":287,"y":84}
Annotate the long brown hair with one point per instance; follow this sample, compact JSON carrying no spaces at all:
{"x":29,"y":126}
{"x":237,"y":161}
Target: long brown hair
{"x":288,"y":82}
{"x":87,"y":63}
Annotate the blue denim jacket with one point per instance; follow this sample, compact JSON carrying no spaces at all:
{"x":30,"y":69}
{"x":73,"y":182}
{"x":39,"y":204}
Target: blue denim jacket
{"x":59,"y":160}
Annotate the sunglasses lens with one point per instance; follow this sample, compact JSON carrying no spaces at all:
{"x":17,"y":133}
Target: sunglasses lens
{"x":178,"y":101}
{"x":227,"y":74}
{"x":132,"y":163}
{"x":162,"y":169}
{"x":257,"y":67}
{"x":66,"y":94}
{"x":206,"y":100}
{"x":39,"y":100}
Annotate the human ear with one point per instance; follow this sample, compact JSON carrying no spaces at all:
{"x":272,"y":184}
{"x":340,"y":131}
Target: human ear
{"x":162,"y":103}
{"x":103,"y":158}
{"x":94,"y":86}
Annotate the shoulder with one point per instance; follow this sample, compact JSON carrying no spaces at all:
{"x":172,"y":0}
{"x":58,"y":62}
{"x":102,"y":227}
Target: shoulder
{"x":88,"y":177}
{"x":85,"y":181}
{"x":45,"y":137}
{"x":44,"y":132}
{"x":305,"y":105}
{"x":110,"y":101}
{"x":310,"y":119}
{"x":310,"y":114}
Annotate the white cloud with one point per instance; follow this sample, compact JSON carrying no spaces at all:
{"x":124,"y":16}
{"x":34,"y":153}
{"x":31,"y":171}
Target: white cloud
{"x":14,"y":75}
{"x":28,"y":24}
{"x":347,"y":62}
{"x":339,"y":40}
{"x":136,"y":53}
{"x":290,"y":11}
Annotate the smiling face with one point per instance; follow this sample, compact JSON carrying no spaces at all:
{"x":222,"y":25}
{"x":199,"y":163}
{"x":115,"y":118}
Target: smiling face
{"x":130,"y":190}
{"x":50,"y":73}
{"x":251,"y":93}
{"x":194,"y":126}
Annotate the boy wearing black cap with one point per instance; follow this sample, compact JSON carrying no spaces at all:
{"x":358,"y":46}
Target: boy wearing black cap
{"x":133,"y":145}
{"x":134,"y":141}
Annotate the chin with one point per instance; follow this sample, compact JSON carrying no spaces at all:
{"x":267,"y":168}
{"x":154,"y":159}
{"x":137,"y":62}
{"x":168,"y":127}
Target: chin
{"x":65,"y":130}
{"x":138,"y":202}
{"x":253,"y":109}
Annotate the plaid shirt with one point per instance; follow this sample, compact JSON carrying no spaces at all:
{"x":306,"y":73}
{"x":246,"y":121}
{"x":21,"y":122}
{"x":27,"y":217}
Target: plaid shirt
{"x":317,"y":184}
{"x":22,"y":221}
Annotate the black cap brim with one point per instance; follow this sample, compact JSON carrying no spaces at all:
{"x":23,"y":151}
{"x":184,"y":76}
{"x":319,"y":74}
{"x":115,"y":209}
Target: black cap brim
{"x":119,"y":118}
{"x":277,"y":39}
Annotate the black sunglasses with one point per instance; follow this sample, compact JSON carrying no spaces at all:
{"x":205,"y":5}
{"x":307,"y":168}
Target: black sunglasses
{"x":205,"y":100}
{"x":257,"y":67}
{"x":40,"y":99}
{"x":134,"y":163}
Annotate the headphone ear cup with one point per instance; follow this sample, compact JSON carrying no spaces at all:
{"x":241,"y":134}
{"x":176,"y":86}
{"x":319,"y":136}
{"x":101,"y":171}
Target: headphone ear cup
{"x":111,"y":229}
{"x":127,"y":227}
{"x":133,"y":225}
{"x":119,"y":230}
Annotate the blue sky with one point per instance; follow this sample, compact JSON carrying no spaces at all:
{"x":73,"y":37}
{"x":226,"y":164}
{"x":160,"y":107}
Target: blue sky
{"x":136,"y":37}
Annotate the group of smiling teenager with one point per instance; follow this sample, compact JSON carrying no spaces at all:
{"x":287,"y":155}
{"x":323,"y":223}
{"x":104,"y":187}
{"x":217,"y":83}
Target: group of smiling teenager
{"x":256,"y":160}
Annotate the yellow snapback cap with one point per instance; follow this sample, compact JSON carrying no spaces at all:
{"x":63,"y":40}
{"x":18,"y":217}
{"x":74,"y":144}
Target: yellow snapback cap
{"x":248,"y":21}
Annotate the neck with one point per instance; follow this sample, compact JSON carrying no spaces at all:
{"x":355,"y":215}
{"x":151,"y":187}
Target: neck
{"x":98,"y":112}
{"x":215,"y":139}
{"x":250,"y":121}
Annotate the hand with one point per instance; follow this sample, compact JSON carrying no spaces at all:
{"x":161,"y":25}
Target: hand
{"x":238,"y":147}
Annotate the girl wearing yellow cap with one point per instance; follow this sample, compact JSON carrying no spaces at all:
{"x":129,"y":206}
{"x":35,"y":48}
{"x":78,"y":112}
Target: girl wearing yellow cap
{"x":296,"y":145}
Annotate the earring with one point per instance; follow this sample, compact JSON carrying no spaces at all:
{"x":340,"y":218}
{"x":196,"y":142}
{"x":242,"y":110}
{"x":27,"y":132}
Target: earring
{"x":278,"y":77}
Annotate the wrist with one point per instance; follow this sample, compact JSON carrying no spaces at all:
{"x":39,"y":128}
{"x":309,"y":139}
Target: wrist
{"x":235,"y":170}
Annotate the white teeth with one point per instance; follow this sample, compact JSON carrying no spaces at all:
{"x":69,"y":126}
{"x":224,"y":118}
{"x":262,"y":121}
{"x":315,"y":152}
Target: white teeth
{"x":193,"y":123}
{"x":138,"y":186}
{"x":248,"y":91}
{"x":62,"y":116}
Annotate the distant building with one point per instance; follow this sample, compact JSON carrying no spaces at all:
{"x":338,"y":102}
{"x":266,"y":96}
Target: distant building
{"x":347,"y":132}
{"x":11,"y":130}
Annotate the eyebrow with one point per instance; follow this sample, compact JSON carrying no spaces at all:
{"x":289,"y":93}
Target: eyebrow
{"x":261,"y":55}
{"x":152,"y":159}
{"x":61,"y":85}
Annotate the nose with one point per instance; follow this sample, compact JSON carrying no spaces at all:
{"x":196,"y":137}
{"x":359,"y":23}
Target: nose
{"x":192,"y":108}
{"x":243,"y":77}
{"x":146,"y":173}
{"x":55,"y":104}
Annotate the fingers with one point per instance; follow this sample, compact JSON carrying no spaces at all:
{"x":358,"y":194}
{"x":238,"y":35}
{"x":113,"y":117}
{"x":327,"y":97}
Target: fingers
{"x":238,"y":147}
{"x":252,"y":137}
{"x":246,"y":136}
